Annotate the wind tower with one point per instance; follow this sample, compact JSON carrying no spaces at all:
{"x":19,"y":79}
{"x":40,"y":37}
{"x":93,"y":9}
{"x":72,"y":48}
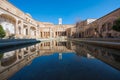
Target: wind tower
{"x":60,"y":21}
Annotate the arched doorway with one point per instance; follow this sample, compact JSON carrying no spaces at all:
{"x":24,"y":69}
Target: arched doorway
{"x":8,"y":22}
{"x":32,"y":32}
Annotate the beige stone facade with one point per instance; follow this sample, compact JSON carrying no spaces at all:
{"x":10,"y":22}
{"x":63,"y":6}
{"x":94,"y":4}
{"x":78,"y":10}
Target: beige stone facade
{"x":101,"y":27}
{"x":49,"y":30}
{"x":18,"y":24}
{"x":82,"y":26}
{"x":71,"y":32}
{"x":21,"y":25}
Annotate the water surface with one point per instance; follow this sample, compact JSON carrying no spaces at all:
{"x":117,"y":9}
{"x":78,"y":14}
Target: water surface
{"x":60,"y":60}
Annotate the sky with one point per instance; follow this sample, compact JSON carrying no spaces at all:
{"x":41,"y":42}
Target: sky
{"x":71,"y":11}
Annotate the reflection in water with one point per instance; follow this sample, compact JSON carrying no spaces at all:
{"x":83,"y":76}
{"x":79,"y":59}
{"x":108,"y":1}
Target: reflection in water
{"x":8,"y":58}
{"x":60,"y":61}
{"x":109,"y":56}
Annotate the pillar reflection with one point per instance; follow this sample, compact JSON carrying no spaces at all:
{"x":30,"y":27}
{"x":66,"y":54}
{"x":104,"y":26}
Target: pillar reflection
{"x":13,"y":61}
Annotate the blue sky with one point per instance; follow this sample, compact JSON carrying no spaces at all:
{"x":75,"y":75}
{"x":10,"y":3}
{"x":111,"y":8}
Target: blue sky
{"x":70,"y":11}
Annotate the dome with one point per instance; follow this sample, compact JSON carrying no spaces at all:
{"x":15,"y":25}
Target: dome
{"x":28,"y":14}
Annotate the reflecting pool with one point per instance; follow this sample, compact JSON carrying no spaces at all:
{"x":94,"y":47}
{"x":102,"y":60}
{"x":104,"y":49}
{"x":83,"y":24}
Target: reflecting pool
{"x":60,"y":60}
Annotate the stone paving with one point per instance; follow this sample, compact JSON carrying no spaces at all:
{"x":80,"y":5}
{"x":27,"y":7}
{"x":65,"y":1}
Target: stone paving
{"x":114,"y":45}
{"x":15,"y":42}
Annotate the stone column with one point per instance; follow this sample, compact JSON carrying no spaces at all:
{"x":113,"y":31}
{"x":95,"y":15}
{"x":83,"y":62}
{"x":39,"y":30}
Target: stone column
{"x":45,"y":34}
{"x":37,"y":33}
{"x":22,"y":53}
{"x":57,"y":34}
{"x":50,"y":33}
{"x":28,"y":33}
{"x":16,"y":29}
{"x":29,"y":52}
{"x":22,"y":33}
{"x":42,"y":34}
{"x":53,"y":34}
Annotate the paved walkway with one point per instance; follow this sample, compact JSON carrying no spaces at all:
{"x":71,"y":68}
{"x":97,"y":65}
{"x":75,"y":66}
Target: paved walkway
{"x":114,"y":45}
{"x":15,"y":42}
